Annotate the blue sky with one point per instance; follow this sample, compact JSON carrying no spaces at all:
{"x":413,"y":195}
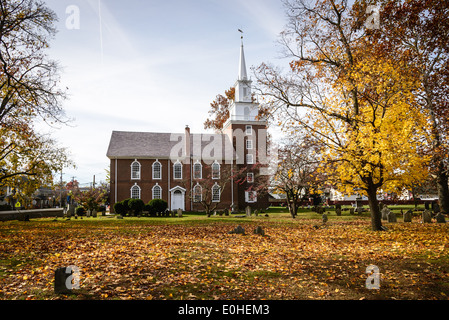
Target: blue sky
{"x":156,"y":67}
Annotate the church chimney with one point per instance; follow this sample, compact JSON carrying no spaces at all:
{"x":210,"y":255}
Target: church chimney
{"x":187,"y":146}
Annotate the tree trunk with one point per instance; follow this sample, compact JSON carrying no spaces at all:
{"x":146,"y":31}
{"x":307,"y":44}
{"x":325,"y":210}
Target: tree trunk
{"x":376,"y":218}
{"x":443,"y":188}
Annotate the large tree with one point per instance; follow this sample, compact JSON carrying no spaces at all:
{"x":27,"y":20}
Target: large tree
{"x":416,"y":33}
{"x":358,"y":104}
{"x":29,"y":91}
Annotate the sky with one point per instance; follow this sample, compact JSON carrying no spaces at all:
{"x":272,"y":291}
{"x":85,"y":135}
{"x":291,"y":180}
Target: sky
{"x":150,"y":65}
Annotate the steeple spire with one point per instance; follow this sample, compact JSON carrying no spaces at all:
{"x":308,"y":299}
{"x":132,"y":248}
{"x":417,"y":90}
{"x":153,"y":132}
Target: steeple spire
{"x":242,"y":64}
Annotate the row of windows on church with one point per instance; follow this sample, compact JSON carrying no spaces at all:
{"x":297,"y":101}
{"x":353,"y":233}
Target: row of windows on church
{"x":177,"y":170}
{"x":197,"y":192}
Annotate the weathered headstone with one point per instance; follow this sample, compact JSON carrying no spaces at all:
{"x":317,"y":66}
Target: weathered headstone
{"x":408,"y":216}
{"x":385,"y":211}
{"x":324,"y":218}
{"x":259,"y":231}
{"x":61,"y":280}
{"x":256,"y":212}
{"x":179,"y":213}
{"x":338,"y":211}
{"x":391,"y":217}
{"x":248,"y":211}
{"x":435,"y":207}
{"x":338,"y":206}
{"x":426,"y":205}
{"x":94,"y":213}
{"x":119,"y":216}
{"x":238,"y":230}
{"x":440,"y":218}
{"x":226,"y":212}
{"x":351,"y":211}
{"x":426,"y":216}
{"x":70,"y":210}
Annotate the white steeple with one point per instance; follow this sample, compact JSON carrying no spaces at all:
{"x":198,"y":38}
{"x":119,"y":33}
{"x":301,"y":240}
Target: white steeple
{"x":243,"y":85}
{"x":242,"y":64}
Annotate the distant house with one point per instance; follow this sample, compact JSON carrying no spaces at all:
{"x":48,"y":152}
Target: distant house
{"x":173,"y":166}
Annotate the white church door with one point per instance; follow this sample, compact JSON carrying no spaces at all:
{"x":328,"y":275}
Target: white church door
{"x":177,"y":200}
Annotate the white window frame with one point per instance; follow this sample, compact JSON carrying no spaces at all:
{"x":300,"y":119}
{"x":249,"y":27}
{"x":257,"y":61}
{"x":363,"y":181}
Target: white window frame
{"x":249,"y":158}
{"x":135,"y":187}
{"x":248,"y":198}
{"x":157,"y":186}
{"x":160,"y":170}
{"x":216,"y":198}
{"x":248,"y":179}
{"x":249,"y":144}
{"x":248,"y":129}
{"x":197,"y":197}
{"x":201,"y":170}
{"x":176,"y":164}
{"x":214,"y":176}
{"x":135,"y":175}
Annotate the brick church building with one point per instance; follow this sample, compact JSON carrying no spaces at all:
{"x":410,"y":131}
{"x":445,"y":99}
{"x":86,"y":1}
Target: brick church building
{"x":179,"y":167}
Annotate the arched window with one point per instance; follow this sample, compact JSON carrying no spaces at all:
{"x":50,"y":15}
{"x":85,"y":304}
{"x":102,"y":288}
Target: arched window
{"x":215,"y":170}
{"x":157,"y":170}
{"x":177,"y":170}
{"x":135,"y":191}
{"x":197,"y":170}
{"x":197,"y":193}
{"x":135,"y":170}
{"x":157,"y":192}
{"x":216,"y":193}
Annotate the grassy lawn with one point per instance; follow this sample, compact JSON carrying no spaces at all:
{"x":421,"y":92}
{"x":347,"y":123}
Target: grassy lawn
{"x":195,"y":257}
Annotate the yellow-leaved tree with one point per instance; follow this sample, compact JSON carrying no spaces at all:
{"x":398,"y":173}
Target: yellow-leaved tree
{"x":359,"y":105}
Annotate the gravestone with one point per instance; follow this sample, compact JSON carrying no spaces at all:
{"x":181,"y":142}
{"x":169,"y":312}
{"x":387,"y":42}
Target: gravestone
{"x":238,"y":230}
{"x":338,"y":211}
{"x":385,"y":211}
{"x":259,"y":231}
{"x":248,"y":211}
{"x":94,"y":213}
{"x":324,"y":218}
{"x":426,"y":216}
{"x":391,"y":217}
{"x":70,"y":210}
{"x":256,"y":212}
{"x":440,"y":218}
{"x":60,"y":281}
{"x":351,"y":211}
{"x":338,"y":206}
{"x":408,"y":216}
{"x":426,"y":205}
{"x":119,"y":216}
{"x":435,"y":207}
{"x":226,"y":212}
{"x":179,"y":213}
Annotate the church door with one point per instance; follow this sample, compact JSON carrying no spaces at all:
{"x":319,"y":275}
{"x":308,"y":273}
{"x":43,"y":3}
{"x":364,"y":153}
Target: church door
{"x":177,"y":200}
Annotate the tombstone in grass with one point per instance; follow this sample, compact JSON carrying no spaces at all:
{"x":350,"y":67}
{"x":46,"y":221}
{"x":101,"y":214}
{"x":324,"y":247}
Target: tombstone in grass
{"x":179,"y":213}
{"x":426,"y":205}
{"x":440,"y":218}
{"x":385,"y":211}
{"x":238,"y":230}
{"x":324,"y":218}
{"x":248,"y":211}
{"x":426,"y":216}
{"x":226,"y":212}
{"x":259,"y":231}
{"x":63,"y":280}
{"x":435,"y":207}
{"x":391,"y":217}
{"x":351,"y":211}
{"x":70,"y":210}
{"x":408,"y":216}
{"x":338,"y":211}
{"x":358,"y":205}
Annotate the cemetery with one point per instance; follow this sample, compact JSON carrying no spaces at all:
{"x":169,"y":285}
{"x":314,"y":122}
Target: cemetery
{"x":320,"y":254}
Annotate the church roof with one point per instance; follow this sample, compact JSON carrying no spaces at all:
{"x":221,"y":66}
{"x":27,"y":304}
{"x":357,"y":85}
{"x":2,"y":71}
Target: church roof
{"x":158,"y":145}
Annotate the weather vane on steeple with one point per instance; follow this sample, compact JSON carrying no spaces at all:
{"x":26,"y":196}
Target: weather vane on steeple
{"x":240,"y":30}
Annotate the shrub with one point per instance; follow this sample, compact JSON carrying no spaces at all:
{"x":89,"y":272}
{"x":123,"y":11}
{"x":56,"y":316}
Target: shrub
{"x":136,"y":206}
{"x":157,"y":205}
{"x":120,"y":208}
{"x":80,"y":211}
